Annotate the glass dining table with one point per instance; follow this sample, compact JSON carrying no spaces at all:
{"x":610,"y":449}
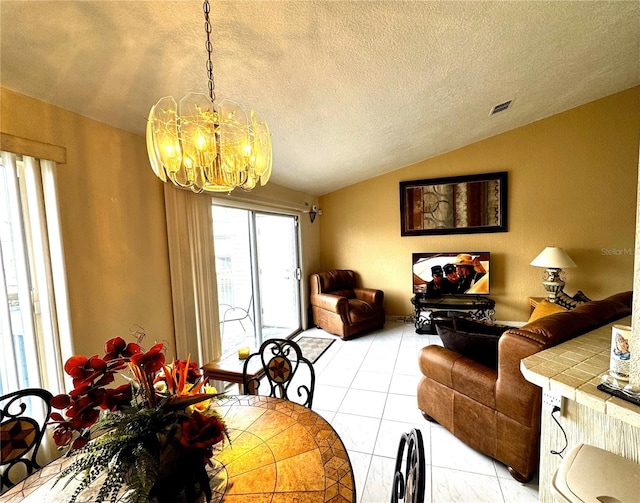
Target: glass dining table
{"x":279,"y":451}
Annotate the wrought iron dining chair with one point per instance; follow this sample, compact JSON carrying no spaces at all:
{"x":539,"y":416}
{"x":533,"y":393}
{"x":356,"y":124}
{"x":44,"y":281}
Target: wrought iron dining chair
{"x":21,"y":434}
{"x":409,"y":487}
{"x":282,"y":361}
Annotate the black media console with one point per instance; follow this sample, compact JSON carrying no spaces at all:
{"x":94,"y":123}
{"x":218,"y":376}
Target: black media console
{"x":432,"y":309}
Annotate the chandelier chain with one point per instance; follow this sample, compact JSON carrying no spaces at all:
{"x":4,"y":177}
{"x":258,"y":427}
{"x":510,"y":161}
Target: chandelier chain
{"x":207,"y":28}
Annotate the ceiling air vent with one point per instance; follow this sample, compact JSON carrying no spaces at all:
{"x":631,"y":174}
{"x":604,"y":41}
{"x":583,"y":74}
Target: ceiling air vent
{"x":501,"y":107}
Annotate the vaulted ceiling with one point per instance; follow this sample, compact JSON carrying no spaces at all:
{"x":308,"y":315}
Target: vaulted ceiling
{"x":350,"y":89}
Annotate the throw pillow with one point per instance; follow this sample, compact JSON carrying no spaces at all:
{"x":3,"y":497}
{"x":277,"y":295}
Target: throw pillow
{"x":478,"y":326}
{"x":482,"y":348}
{"x":581,"y":297}
{"x":568,"y":302}
{"x":545,"y":308}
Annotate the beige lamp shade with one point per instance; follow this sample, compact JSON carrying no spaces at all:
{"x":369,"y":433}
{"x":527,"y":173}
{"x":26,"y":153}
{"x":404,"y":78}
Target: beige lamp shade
{"x":553,"y":258}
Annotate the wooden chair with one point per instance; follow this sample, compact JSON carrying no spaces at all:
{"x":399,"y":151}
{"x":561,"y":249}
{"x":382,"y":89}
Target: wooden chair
{"x":281,"y":360}
{"x":21,"y":434}
{"x":409,"y":487}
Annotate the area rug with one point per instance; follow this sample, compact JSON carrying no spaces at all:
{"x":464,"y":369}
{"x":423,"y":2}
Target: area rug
{"x":314,"y":347}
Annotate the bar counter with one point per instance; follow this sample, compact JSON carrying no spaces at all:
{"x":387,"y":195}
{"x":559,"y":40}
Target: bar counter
{"x":573,"y":370}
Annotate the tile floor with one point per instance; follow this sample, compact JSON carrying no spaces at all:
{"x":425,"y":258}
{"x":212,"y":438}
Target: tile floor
{"x":366,"y":389}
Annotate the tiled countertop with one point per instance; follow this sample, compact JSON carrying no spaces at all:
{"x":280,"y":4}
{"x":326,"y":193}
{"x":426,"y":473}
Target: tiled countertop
{"x":573,"y":370}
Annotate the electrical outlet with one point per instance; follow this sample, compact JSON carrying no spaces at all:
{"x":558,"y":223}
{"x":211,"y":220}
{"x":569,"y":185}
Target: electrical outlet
{"x":549,"y":401}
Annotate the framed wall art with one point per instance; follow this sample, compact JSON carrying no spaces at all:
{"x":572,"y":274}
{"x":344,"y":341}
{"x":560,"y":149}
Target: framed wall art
{"x":454,"y":205}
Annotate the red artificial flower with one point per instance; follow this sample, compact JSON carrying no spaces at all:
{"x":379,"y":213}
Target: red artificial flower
{"x":60,"y":402}
{"x":85,"y":370}
{"x":91,"y":376}
{"x":151,"y":361}
{"x":118,"y":348}
{"x":75,"y":366}
{"x":201,"y":432}
{"x":82,"y":416}
{"x":115,"y":398}
{"x":62,"y":435}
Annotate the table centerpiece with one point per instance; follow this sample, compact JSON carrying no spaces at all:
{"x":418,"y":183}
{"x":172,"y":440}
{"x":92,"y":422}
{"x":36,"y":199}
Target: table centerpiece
{"x":153,"y":435}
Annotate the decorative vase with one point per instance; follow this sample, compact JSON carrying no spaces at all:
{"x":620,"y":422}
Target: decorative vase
{"x":182,"y":476}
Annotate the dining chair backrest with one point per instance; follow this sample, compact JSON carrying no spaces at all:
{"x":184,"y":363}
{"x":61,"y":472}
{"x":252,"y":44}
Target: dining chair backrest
{"x":409,"y":487}
{"x":282,"y":361}
{"x":22,"y":426}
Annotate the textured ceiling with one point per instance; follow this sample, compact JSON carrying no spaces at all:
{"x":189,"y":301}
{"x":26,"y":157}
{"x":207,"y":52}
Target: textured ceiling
{"x":350,"y":89}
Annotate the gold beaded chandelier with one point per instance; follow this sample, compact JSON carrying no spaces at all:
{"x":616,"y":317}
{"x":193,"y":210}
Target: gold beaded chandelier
{"x":207,"y":147}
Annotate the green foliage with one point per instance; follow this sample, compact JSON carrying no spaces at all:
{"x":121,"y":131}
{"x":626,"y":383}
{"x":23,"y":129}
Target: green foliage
{"x":128,"y":452}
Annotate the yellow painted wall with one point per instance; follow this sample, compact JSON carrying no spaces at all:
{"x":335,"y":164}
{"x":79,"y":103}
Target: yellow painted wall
{"x":113,"y":224}
{"x":572,"y":183}
{"x":114,"y":231}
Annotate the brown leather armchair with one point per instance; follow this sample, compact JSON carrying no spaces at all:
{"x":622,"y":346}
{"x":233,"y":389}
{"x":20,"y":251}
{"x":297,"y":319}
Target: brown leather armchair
{"x":342,"y":309}
{"x":497,"y":412}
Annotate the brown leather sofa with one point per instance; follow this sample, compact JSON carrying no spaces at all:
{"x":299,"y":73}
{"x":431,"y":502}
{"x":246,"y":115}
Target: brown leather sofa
{"x":340,"y":308}
{"x":497,"y":412}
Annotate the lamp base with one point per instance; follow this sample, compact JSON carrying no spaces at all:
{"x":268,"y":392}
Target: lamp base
{"x":552,"y":283}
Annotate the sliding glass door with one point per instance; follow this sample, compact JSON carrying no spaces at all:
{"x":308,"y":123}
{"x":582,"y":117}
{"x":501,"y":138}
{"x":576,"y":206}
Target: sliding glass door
{"x":258,"y":276}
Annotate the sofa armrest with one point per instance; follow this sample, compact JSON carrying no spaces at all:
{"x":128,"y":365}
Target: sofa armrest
{"x":369,"y":295}
{"x":329,"y":302}
{"x":516,"y":397}
{"x":459,"y":373}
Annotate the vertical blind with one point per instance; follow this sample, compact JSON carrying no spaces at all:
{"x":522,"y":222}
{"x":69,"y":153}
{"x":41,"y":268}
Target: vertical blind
{"x":34,"y":316}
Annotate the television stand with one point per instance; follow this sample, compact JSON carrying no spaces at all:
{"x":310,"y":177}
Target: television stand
{"x":477,"y":307}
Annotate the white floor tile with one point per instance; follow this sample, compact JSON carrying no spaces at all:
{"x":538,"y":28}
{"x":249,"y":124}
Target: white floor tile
{"x":385,"y":346}
{"x":333,"y":376}
{"x":404,"y":384}
{"x":349,"y":358}
{"x":403,"y":408}
{"x":415,"y":341}
{"x":379,"y":363}
{"x":515,"y":492}
{"x":360,"y":464}
{"x":327,"y":397}
{"x":501,"y":470}
{"x":363,"y":403}
{"x":449,"y":452}
{"x":379,"y":480}
{"x":452,"y":486}
{"x":408,"y":351}
{"x":359,"y":343}
{"x":358,"y":433}
{"x":389,"y":436}
{"x":371,"y":381}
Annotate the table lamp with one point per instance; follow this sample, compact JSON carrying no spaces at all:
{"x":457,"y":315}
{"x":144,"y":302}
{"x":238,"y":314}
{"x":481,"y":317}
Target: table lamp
{"x":553,"y":259}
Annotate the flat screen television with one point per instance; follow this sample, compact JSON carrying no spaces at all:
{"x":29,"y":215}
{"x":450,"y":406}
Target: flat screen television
{"x":451,"y":273}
